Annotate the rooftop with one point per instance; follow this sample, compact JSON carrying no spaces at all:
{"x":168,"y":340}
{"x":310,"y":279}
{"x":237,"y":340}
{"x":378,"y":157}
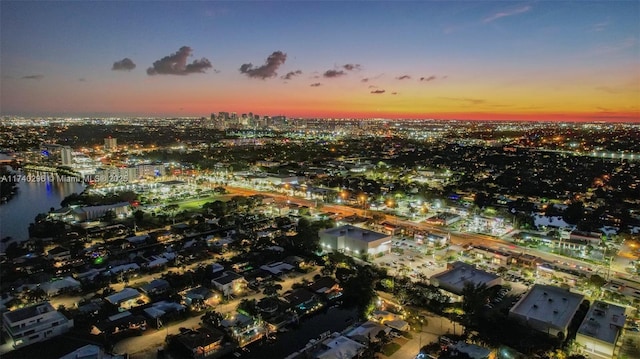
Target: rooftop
{"x":368,"y":330}
{"x":548,"y":304}
{"x":28,"y":312}
{"x":461,"y":274}
{"x":322,"y":284}
{"x":200,"y":338}
{"x":472,"y":350}
{"x":603,"y":322}
{"x":340,"y":347}
{"x":299,"y":296}
{"x":227,"y":278}
{"x":155,"y":284}
{"x":277,"y":267}
{"x":354,"y":232}
{"x":123,"y":295}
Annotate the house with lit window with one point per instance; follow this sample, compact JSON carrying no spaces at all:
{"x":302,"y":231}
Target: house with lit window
{"x":125,"y":299}
{"x":229,"y":283}
{"x":34,"y":323}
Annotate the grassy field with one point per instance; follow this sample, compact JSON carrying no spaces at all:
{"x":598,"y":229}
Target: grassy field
{"x":196,"y":203}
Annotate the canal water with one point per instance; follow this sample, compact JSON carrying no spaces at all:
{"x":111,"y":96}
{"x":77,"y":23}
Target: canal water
{"x":332,"y":320}
{"x":32,"y":199}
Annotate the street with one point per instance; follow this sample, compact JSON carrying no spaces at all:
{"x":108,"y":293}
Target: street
{"x":146,"y":346}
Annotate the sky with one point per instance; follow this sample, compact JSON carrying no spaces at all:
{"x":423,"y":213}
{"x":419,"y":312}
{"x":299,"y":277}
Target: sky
{"x":503,"y":60}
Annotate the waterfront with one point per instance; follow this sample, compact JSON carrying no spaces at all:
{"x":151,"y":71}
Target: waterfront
{"x":32,"y":199}
{"x":331,"y":320}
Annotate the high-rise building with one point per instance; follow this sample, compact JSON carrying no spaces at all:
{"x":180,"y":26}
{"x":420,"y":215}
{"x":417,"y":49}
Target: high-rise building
{"x":110,"y":143}
{"x":66,"y":156}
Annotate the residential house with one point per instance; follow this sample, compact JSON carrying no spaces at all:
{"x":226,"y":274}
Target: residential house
{"x":198,"y":344}
{"x":326,"y":287}
{"x":199,"y":297}
{"x":125,"y":299}
{"x":34,"y":323}
{"x":156,"y":288}
{"x":229,"y":283}
{"x":118,"y":323}
{"x":303,"y":300}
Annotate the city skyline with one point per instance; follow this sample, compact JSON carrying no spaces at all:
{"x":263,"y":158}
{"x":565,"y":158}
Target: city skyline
{"x":569,"y":61}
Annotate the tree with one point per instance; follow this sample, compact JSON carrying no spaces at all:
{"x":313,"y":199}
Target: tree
{"x":172,"y":210}
{"x":139,"y":216}
{"x":217,"y":208}
{"x":248,"y":306}
{"x":574,"y":213}
{"x":271,"y":290}
{"x":597,"y":281}
{"x":109,"y":216}
{"x":212,"y":319}
{"x":474,"y":297}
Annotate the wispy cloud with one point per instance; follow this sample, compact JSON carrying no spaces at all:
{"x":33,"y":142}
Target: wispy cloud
{"x":428,"y":78}
{"x":291,"y":74}
{"x":627,"y":87}
{"x":316,"y":84}
{"x":268,"y":70}
{"x":622,"y":45}
{"x":403,"y":77}
{"x":82,"y":79}
{"x":377,"y":92}
{"x":339,"y":71}
{"x":471,"y":101}
{"x":600,"y":26}
{"x":507,"y":13}
{"x":32,"y":77}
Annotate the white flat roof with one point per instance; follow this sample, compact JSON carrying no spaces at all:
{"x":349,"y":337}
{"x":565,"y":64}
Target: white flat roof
{"x":461,"y":274}
{"x":548,"y":304}
{"x":603,"y":322}
{"x":356,"y":233}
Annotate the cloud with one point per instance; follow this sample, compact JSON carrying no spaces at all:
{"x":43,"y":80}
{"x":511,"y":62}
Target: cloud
{"x":507,"y":13}
{"x":373,"y":86}
{"x":351,"y":67}
{"x":32,"y":77}
{"x":403,"y":77}
{"x":333,"y":73}
{"x":609,"y":48}
{"x":601,"y":26}
{"x":176,"y":64}
{"x":125,"y":64}
{"x":291,"y":74}
{"x":82,"y":79}
{"x":471,"y":101}
{"x":317,"y":84}
{"x":427,"y":79}
{"x":394,"y":93}
{"x":366,"y":79}
{"x":268,"y":70}
{"x":377,"y":92}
